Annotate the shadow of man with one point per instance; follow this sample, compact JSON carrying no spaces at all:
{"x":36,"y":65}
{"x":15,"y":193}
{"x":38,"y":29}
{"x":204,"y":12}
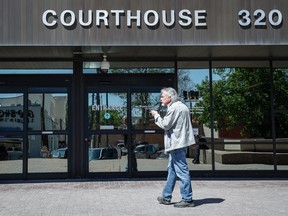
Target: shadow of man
{"x":208,"y":201}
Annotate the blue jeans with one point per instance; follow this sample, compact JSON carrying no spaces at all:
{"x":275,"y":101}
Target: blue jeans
{"x":177,"y":167}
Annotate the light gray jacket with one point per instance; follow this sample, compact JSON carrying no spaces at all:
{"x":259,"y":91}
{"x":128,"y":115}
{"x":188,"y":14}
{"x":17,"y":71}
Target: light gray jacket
{"x":177,"y":126}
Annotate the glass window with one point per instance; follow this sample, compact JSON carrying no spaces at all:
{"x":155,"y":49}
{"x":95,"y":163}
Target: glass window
{"x":280,"y":84}
{"x":242,"y":115}
{"x":48,"y":111}
{"x":48,"y":153}
{"x":142,"y":103}
{"x":107,"y":153}
{"x":193,"y":90}
{"x":11,"y":154}
{"x":107,"y":110}
{"x":11,"y":112}
{"x":130,"y":67}
{"x":280,"y":87}
{"x":148,"y":153}
{"x":282,"y":154}
{"x":36,"y":68}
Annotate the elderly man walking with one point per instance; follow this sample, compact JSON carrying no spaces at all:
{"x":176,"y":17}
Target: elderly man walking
{"x":178,"y":136}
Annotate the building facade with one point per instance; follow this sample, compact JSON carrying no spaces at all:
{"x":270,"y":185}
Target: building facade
{"x":78,"y":78}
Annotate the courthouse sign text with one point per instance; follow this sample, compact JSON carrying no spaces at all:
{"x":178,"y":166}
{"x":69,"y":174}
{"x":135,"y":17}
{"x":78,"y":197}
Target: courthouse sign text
{"x":152,"y":18}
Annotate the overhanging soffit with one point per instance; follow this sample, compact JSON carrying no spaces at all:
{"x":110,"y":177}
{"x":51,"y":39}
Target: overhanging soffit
{"x":142,"y":52}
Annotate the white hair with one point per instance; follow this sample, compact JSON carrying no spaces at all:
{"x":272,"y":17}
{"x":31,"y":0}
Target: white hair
{"x":170,"y":92}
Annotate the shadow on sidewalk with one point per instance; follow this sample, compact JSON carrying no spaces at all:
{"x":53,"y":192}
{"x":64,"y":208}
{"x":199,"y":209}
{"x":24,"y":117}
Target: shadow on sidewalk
{"x":208,"y":201}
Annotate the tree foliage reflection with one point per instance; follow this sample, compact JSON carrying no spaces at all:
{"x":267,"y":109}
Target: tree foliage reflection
{"x":241,"y":98}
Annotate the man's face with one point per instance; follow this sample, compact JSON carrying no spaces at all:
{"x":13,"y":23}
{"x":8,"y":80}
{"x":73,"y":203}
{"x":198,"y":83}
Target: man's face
{"x":165,"y":100}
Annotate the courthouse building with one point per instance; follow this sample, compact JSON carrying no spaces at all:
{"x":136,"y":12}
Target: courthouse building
{"x":78,"y":78}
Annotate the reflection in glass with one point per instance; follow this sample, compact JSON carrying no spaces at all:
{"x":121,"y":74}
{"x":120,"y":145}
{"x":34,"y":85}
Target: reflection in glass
{"x":242,"y":118}
{"x":193,"y":90}
{"x":281,"y":119}
{"x":280,"y":85}
{"x":107,"y":153}
{"x":48,"y":153}
{"x":107,"y":110}
{"x":142,"y":103}
{"x":37,"y":71}
{"x":241,"y":103}
{"x":149,"y":152}
{"x":11,"y":112}
{"x":36,"y":67}
{"x":199,"y":156}
{"x":11,"y":154}
{"x":281,"y":140}
{"x":282,"y":154}
{"x":142,"y":70}
{"x":48,"y":111}
{"x":130,"y":67}
{"x":249,"y":156}
{"x":190,"y":86}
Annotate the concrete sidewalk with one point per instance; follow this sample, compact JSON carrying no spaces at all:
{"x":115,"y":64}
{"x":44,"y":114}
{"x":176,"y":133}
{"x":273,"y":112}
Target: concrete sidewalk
{"x":138,"y":197}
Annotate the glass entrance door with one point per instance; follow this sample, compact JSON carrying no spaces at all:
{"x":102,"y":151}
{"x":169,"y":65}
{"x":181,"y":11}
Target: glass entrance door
{"x":34,"y":131}
{"x":121,"y":134}
{"x":11,"y":132}
{"x":48,"y":144}
{"x":107,"y":129}
{"x":147,"y":137}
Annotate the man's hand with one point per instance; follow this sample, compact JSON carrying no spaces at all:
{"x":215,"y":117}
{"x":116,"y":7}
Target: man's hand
{"x":153,"y":112}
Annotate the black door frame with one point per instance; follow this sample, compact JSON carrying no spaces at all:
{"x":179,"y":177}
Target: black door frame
{"x":132,"y":83}
{"x":26,"y":84}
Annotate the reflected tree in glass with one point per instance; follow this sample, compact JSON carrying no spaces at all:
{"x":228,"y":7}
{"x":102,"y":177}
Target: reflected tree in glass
{"x":241,"y":98}
{"x":280,"y":84}
{"x":96,"y":117}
